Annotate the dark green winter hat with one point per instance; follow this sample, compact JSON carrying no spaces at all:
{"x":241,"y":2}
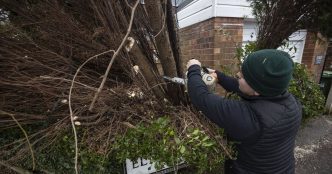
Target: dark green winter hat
{"x":268,"y":71}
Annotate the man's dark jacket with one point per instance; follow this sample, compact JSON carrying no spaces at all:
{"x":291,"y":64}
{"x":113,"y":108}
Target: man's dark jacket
{"x":265,"y":127}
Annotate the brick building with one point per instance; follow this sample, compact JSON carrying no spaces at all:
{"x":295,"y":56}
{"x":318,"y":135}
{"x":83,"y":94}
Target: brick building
{"x":212,"y":30}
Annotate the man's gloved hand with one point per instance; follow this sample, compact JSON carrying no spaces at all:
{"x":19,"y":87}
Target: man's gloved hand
{"x":213,"y":73}
{"x":211,"y":70}
{"x":193,"y":62}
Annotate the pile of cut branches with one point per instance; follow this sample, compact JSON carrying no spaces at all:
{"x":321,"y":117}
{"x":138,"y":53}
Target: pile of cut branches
{"x":68,"y":65}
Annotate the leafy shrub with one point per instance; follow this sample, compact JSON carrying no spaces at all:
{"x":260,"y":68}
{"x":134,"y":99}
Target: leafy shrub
{"x":59,"y":158}
{"x":307,"y":92}
{"x":160,"y":143}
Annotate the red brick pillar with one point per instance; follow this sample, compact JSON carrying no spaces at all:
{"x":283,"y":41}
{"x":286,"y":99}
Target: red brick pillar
{"x":314,"y":54}
{"x":228,"y":37}
{"x":213,"y":42}
{"x":197,"y":42}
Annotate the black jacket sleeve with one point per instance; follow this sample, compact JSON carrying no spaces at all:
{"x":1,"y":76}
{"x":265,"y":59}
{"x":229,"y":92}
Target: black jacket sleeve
{"x":230,"y":84}
{"x":234,"y":116}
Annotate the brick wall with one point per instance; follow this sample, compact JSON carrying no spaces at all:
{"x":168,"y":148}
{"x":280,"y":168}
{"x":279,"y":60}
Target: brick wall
{"x":309,"y":48}
{"x":197,"y":41}
{"x":315,"y":46}
{"x":213,"y":41}
{"x":228,"y":37}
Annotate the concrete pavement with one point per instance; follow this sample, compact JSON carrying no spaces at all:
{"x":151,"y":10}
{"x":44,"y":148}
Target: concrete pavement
{"x":313,"y":150}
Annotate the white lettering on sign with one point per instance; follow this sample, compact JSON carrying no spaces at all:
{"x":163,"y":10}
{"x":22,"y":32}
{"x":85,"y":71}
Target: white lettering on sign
{"x":141,"y":166}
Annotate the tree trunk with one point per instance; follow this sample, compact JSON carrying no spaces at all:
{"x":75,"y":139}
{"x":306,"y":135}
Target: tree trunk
{"x":153,"y":82}
{"x":174,"y":39}
{"x":158,"y":24}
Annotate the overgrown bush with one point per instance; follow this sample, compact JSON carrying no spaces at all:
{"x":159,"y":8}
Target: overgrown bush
{"x":307,"y":92}
{"x":160,"y":143}
{"x":58,"y":157}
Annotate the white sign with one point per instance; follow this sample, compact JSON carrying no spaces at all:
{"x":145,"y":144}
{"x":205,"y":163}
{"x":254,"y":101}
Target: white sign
{"x":141,"y":166}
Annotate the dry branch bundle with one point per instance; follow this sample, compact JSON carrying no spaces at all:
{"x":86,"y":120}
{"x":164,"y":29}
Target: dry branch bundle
{"x":42,"y":45}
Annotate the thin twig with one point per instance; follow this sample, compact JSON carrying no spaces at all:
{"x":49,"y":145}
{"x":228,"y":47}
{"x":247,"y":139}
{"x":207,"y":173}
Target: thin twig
{"x":16,"y":169}
{"x":114,"y":55}
{"x":129,"y":125}
{"x":164,"y":21}
{"x":67,"y":80}
{"x":71,"y":110}
{"x":26,"y":136}
{"x":128,"y":4}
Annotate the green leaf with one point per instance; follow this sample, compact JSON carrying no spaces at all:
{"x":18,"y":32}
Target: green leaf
{"x":205,"y":138}
{"x":171,"y":133}
{"x":182,"y":149}
{"x":208,"y":144}
{"x":177,"y":140}
{"x":196,"y":131}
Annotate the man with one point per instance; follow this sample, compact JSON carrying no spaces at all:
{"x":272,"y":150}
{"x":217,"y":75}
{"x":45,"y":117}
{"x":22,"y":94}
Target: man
{"x":264,"y":122}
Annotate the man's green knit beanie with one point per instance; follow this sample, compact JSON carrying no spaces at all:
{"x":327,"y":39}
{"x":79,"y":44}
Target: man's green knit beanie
{"x":268,"y":71}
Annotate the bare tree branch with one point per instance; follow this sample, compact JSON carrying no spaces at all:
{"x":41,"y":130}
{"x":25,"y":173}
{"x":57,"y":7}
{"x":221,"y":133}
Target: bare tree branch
{"x":114,"y":56}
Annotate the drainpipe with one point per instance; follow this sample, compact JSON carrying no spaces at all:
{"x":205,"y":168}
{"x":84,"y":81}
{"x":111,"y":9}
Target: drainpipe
{"x":214,"y":7}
